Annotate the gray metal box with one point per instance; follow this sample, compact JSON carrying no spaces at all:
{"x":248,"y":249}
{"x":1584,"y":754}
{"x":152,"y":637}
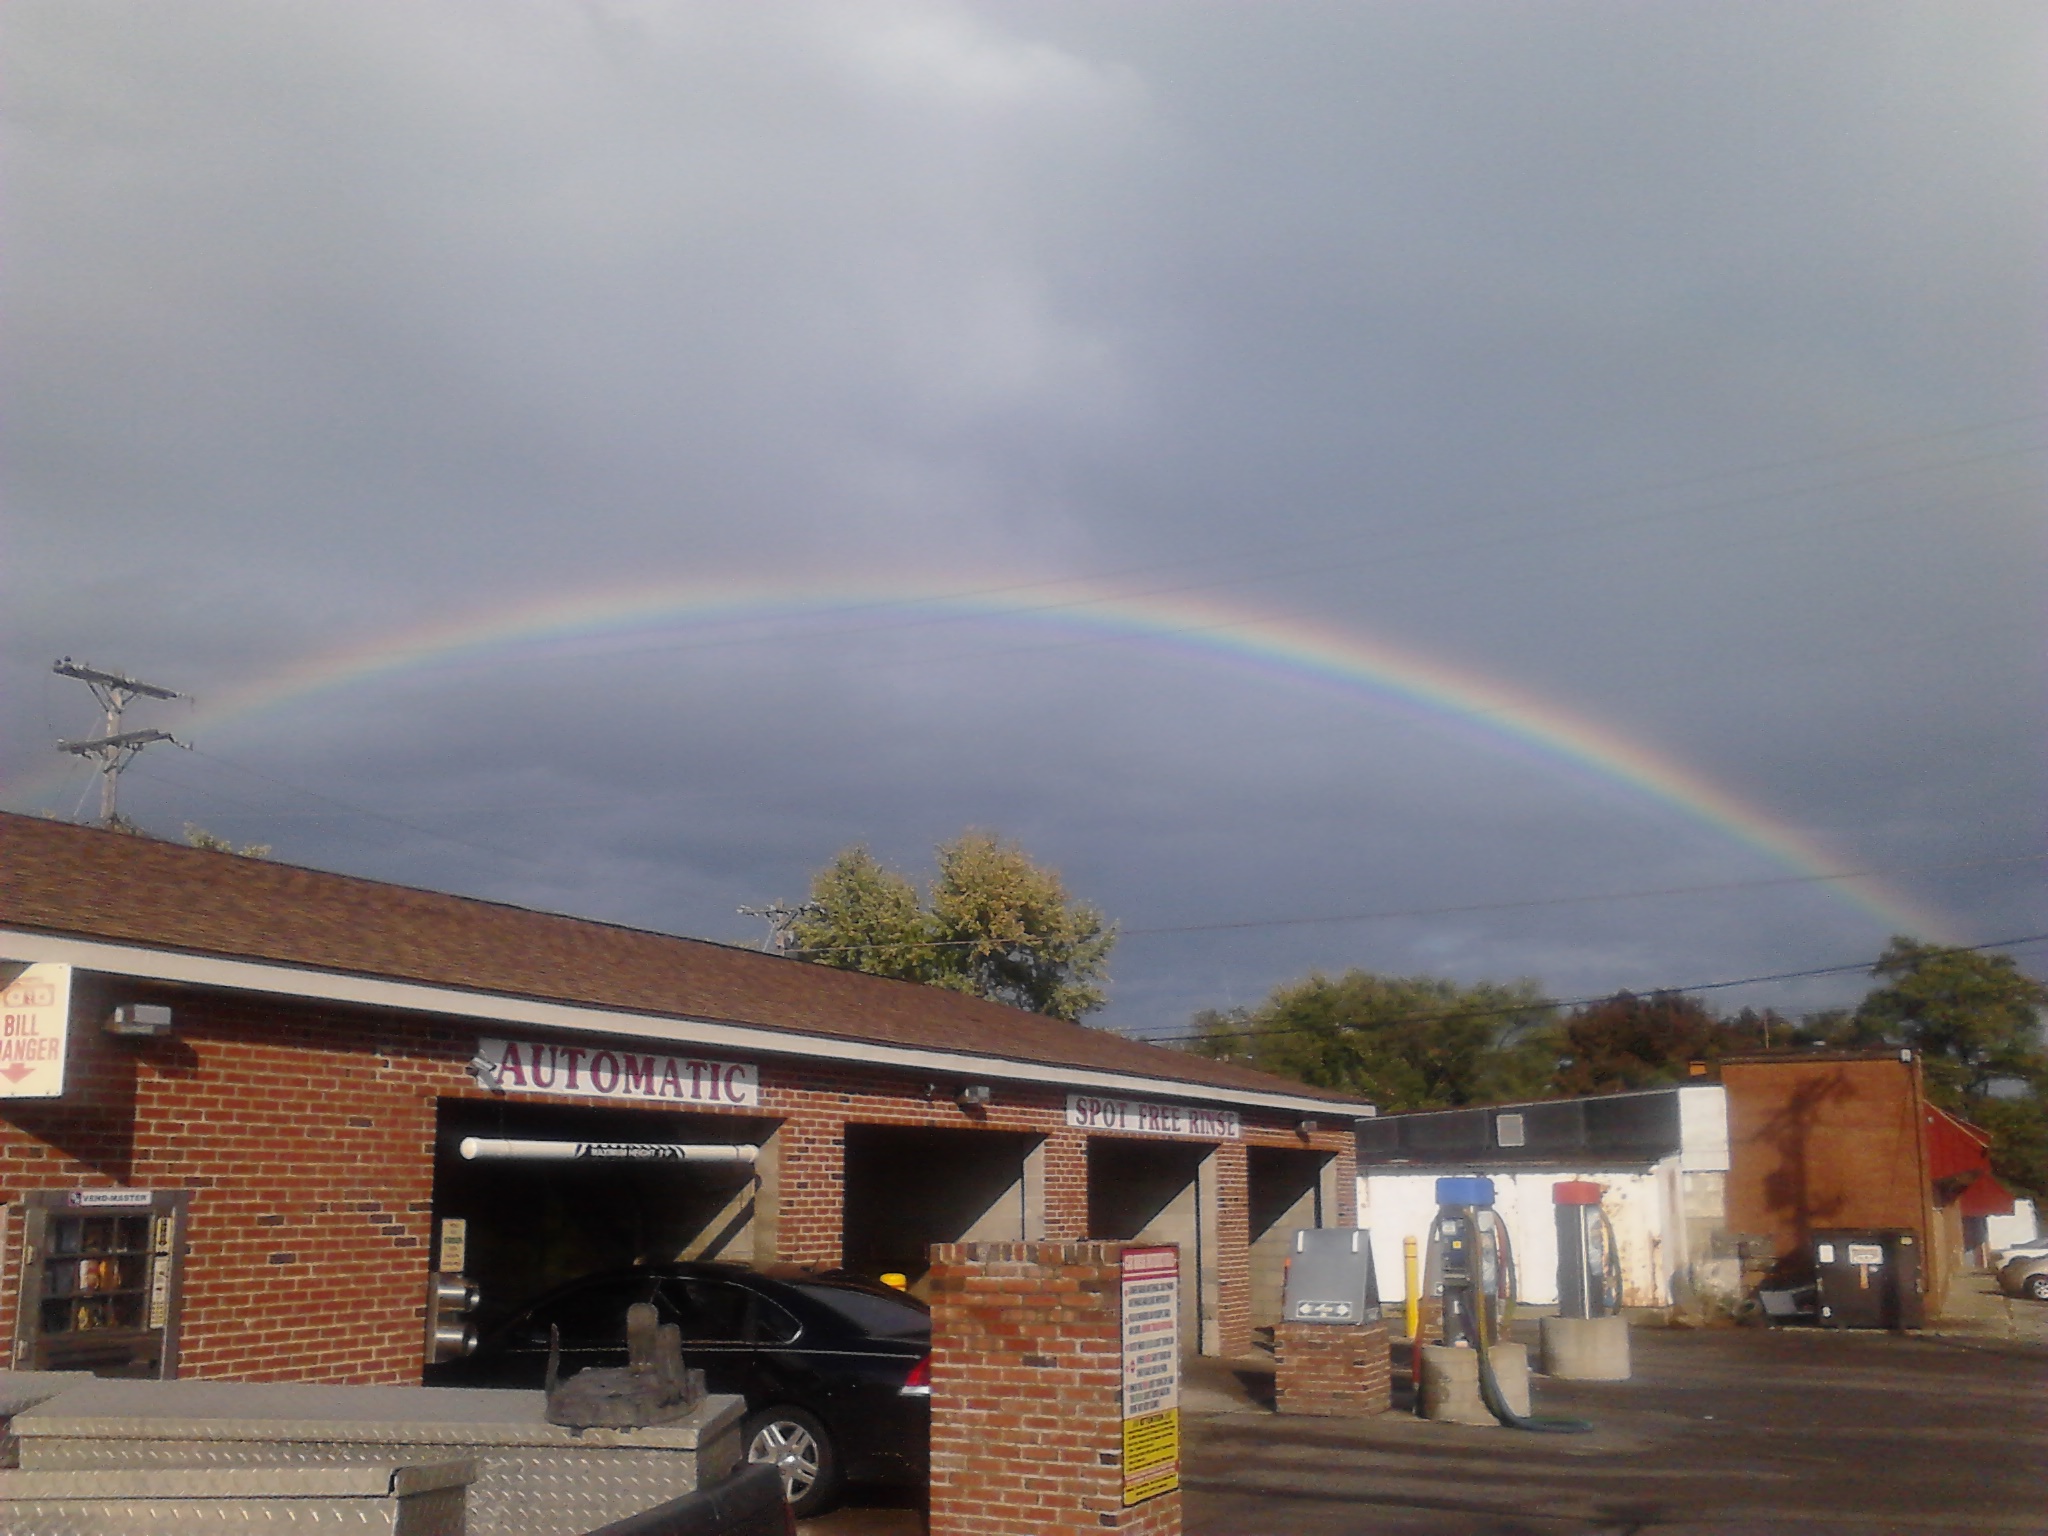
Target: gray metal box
{"x":1330,"y":1277}
{"x":533,"y":1478}
{"x":394,"y":1499}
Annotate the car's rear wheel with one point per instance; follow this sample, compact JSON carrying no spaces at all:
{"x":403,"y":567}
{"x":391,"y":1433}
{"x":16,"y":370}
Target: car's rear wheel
{"x":2037,"y":1287}
{"x":797,"y":1443}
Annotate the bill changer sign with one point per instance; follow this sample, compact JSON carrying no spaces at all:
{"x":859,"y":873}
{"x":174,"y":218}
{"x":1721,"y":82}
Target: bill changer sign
{"x":610,"y":1072}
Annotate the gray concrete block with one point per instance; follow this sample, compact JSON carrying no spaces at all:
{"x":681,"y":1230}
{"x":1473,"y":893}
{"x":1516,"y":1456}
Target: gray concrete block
{"x":1450,"y":1382}
{"x":1586,"y":1348}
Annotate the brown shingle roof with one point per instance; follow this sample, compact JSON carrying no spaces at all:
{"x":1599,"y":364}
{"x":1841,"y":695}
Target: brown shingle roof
{"x":77,"y":881}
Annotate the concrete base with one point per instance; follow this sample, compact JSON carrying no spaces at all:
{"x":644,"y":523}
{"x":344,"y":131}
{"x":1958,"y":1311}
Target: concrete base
{"x":1450,"y":1382}
{"x":1586,"y":1348}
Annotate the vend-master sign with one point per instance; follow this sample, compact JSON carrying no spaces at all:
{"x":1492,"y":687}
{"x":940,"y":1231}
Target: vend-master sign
{"x":614,"y":1073}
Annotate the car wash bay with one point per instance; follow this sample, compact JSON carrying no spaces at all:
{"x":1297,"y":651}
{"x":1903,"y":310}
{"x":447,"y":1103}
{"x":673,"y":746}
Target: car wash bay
{"x":531,"y":1221}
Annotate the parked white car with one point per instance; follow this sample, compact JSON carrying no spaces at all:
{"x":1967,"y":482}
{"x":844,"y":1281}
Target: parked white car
{"x":2033,"y":1248}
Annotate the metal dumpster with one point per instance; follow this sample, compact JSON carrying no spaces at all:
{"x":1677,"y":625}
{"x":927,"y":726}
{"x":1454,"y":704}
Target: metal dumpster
{"x":1868,"y":1278}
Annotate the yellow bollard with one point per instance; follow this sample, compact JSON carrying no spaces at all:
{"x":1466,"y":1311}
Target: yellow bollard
{"x":1411,"y":1285}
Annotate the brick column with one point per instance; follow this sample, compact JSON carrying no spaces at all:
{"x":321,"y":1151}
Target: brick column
{"x":1332,"y":1371}
{"x":1233,"y":1252}
{"x":1027,"y":1393}
{"x":1066,"y":1186}
{"x":811,"y":1188}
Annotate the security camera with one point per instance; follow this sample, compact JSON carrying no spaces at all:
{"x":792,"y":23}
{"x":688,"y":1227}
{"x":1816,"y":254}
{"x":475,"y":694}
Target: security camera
{"x":486,"y":1074}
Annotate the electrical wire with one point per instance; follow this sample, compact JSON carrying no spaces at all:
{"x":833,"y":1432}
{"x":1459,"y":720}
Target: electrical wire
{"x":1567,"y":901}
{"x":1391,"y":914}
{"x":358,"y":810}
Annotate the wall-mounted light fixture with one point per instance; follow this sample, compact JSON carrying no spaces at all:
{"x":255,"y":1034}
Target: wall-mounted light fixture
{"x":140,"y":1021}
{"x":1309,"y":1127}
{"x":975,"y":1095}
{"x":486,"y":1074}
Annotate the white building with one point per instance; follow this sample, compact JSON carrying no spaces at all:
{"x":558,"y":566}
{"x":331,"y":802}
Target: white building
{"x":2003,"y":1232}
{"x":1660,"y":1155}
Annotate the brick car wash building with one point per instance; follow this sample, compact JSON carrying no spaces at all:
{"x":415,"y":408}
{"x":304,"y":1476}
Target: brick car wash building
{"x":246,"y":1111}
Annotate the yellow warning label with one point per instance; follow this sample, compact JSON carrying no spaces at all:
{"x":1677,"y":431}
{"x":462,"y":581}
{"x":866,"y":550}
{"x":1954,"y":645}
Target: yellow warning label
{"x":1151,"y":1455}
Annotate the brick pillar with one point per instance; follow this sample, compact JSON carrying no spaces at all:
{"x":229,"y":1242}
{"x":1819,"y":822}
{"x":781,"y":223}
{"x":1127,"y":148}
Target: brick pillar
{"x":1027,"y":1393}
{"x":1066,"y":1186}
{"x":1347,"y":1185}
{"x":1332,"y":1371}
{"x":1233,"y":1252}
{"x":810,"y":1189}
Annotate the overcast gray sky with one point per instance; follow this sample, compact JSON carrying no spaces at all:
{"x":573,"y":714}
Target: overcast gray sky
{"x":1414,"y":464}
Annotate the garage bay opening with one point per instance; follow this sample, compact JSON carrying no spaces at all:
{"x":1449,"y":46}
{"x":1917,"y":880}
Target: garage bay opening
{"x":1285,"y":1189}
{"x":909,"y":1187}
{"x":1162,"y":1192}
{"x":550,"y":1194}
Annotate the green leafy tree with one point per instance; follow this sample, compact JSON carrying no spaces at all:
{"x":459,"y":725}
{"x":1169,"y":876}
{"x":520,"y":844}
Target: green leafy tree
{"x":1975,"y":1018}
{"x":1626,"y":1041}
{"x":2019,"y":1140}
{"x":863,"y":916}
{"x":1006,"y":930}
{"x":997,"y":925}
{"x":1405,"y":1042}
{"x":198,"y":837}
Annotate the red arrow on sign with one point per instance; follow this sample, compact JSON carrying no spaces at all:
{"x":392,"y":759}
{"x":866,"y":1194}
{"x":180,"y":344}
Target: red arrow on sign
{"x":17,"y":1072}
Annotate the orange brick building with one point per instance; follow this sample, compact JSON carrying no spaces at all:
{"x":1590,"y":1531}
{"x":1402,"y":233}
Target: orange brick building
{"x":1833,"y":1140}
{"x":287,"y":1097}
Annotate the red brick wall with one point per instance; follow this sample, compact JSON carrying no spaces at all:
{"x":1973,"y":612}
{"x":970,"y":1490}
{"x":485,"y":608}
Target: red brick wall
{"x":1827,"y":1143}
{"x":1331,"y":1371}
{"x":1233,"y":1253}
{"x":1027,"y":1393}
{"x":305,"y":1133}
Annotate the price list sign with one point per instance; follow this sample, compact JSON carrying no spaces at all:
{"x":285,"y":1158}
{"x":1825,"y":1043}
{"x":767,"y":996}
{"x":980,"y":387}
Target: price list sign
{"x":1151,"y":1323}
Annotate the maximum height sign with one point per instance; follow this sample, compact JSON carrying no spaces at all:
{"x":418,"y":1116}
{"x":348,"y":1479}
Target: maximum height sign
{"x":1151,"y":1326}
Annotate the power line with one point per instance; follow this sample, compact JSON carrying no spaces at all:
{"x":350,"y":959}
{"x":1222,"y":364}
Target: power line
{"x":359,"y":810}
{"x":1535,"y":1004}
{"x":113,"y":749}
{"x":1568,"y":901}
{"x":1391,"y":914}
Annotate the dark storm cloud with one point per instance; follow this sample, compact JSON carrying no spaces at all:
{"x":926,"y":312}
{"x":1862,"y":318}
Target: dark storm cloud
{"x":1676,"y":365}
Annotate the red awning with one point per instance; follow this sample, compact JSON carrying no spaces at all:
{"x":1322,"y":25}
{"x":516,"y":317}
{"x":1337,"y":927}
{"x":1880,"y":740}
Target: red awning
{"x":1986,"y":1197}
{"x":1959,"y":1167}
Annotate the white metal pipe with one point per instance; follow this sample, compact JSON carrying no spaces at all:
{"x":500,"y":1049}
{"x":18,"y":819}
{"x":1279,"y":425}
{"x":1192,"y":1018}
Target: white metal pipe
{"x":502,"y":1149}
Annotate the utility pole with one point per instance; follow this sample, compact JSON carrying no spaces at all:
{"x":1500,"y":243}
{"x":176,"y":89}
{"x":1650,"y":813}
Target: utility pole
{"x":781,"y":923}
{"x":113,"y":749}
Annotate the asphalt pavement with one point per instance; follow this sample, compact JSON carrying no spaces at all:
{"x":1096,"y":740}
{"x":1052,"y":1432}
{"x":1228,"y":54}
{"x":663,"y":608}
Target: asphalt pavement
{"x":1758,"y":1431}
{"x":1738,"y":1430}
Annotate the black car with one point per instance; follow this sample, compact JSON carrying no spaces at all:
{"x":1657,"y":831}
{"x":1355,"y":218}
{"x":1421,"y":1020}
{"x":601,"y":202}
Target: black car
{"x":835,"y":1370}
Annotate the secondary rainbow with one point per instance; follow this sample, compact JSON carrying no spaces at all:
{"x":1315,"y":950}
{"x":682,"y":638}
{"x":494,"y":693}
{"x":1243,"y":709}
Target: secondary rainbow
{"x":686,"y":616}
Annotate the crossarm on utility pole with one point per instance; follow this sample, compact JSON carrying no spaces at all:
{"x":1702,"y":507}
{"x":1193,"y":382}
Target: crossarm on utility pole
{"x":125,"y":741}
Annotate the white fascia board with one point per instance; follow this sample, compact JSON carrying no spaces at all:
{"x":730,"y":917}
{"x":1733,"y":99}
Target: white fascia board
{"x":498,"y":1008}
{"x":1703,"y":1128}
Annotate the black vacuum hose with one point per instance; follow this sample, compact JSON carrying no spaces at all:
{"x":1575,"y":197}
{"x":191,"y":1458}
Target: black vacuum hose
{"x":1489,"y":1384}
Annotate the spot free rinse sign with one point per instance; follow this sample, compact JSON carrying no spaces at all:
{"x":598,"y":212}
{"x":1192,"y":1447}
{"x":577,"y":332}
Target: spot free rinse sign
{"x":1091,"y":1112}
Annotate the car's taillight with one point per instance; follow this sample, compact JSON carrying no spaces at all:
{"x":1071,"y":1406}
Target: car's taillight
{"x":919,"y":1382}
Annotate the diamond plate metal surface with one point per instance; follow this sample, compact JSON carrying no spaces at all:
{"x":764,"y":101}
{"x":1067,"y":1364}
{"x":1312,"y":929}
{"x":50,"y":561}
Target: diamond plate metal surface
{"x":533,"y":1478}
{"x":436,"y":1512}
